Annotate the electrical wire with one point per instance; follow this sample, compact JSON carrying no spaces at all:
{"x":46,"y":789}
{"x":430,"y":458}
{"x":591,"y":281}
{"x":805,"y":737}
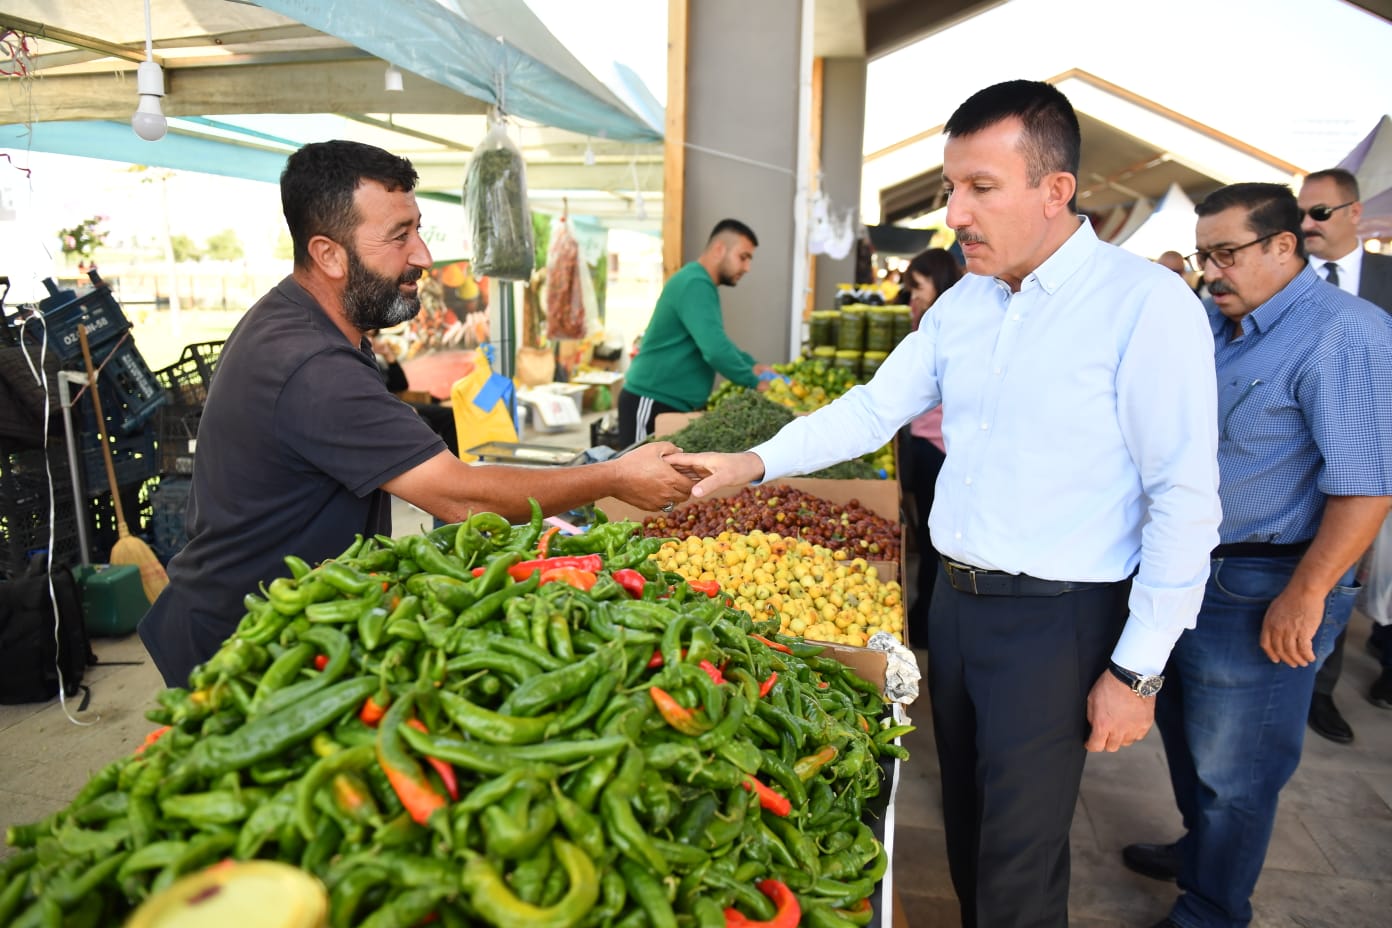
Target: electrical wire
{"x":41,"y":378}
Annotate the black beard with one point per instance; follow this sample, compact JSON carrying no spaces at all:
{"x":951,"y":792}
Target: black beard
{"x":371,"y":301}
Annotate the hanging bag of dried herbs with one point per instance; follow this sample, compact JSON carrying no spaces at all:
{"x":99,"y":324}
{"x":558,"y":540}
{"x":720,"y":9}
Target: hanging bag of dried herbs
{"x":497,"y":219}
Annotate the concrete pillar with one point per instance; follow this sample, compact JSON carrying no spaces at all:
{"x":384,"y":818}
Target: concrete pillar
{"x":741,"y":156}
{"x":843,"y":132}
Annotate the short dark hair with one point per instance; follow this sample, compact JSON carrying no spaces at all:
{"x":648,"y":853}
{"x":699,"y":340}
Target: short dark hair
{"x":1271,"y":208}
{"x":1344,"y":180}
{"x":735,"y":226}
{"x":1052,"y":140}
{"x":937,"y":265}
{"x":317,"y":186}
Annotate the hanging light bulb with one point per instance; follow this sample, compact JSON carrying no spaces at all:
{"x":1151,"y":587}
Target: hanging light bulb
{"x":148,"y":119}
{"x":392,"y":80}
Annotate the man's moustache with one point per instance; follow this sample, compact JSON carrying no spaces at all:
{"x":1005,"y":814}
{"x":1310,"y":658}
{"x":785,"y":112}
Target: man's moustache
{"x":1219,"y":286}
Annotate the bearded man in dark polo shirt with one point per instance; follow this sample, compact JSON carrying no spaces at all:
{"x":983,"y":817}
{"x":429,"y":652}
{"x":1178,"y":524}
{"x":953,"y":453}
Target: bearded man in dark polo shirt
{"x":300,"y":444}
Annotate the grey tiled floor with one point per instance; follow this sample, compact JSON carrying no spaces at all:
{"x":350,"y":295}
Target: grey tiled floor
{"x":1330,"y":864}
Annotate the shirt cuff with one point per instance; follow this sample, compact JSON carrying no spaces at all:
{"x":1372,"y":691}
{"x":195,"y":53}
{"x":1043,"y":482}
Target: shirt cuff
{"x":1144,"y":650}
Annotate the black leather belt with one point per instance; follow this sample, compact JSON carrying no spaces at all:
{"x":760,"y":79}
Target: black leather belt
{"x":1261,"y":549}
{"x":981,"y":582}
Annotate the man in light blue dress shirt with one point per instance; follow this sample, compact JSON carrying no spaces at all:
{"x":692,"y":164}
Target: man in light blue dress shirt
{"x":1305,"y":453}
{"x":1075,"y":510}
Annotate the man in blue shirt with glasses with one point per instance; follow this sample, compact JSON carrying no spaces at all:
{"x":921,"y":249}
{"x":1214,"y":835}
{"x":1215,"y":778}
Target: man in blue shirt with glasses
{"x":1305,"y":462}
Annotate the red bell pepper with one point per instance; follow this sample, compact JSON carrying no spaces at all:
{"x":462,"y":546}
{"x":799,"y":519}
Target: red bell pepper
{"x":631,"y":580}
{"x":442,"y":767}
{"x":675,"y":714}
{"x":787,"y":915}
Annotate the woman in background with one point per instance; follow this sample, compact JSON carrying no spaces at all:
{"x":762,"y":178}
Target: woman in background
{"x":929,"y":274}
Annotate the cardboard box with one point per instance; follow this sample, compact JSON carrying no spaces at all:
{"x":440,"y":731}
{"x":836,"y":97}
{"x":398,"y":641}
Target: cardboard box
{"x":666,"y":423}
{"x":868,"y":665}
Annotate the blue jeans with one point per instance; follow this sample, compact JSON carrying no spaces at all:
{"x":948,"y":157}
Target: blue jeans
{"x":1233,"y":724}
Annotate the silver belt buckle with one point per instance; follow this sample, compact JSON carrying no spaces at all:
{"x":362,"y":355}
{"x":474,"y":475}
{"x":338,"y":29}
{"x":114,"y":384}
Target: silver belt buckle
{"x":964,"y":568}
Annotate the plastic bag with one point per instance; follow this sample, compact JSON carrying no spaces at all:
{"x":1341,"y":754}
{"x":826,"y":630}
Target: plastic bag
{"x":497,"y":219}
{"x":565,"y":304}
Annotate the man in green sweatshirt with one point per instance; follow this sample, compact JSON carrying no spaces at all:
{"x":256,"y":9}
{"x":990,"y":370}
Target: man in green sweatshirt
{"x":685,"y":345}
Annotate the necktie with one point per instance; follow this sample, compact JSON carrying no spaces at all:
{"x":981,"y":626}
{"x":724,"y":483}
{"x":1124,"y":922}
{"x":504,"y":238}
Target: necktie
{"x":1331,"y":272}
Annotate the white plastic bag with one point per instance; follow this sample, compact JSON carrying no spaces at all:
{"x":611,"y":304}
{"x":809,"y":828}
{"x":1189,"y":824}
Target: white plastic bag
{"x":497,"y":219}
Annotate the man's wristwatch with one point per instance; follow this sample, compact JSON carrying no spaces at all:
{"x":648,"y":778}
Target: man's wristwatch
{"x":1140,"y":684}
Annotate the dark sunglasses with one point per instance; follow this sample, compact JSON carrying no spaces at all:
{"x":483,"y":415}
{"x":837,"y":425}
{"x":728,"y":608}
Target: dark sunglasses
{"x":1322,"y":213}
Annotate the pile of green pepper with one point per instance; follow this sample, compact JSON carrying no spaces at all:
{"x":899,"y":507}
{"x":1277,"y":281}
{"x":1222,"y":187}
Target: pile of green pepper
{"x":595,"y":743}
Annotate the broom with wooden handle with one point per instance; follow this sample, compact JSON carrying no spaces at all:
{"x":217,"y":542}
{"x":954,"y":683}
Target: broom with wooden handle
{"x":128,"y":548}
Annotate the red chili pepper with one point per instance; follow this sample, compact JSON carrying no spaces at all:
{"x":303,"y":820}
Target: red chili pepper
{"x":675,"y":714}
{"x":321,"y":661}
{"x":372,"y":711}
{"x":777,"y":646}
{"x":822,"y":684}
{"x":807,"y":767}
{"x":442,"y":767}
{"x":417,"y":794}
{"x":544,"y":542}
{"x":788,"y":913}
{"x":385,"y":586}
{"x":767,"y":685}
{"x":574,"y":576}
{"x":151,"y":738}
{"x":521,"y":571}
{"x":712,"y":671}
{"x":710,"y":587}
{"x":769,"y":798}
{"x":631,"y":580}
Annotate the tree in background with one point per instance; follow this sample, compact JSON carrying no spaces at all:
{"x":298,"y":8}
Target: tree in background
{"x":83,"y":239}
{"x":224,"y":246}
{"x":184,"y":248}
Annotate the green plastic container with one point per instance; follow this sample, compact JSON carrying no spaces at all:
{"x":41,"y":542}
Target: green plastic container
{"x":879,"y":329}
{"x":851,"y":334}
{"x":113,"y":601}
{"x":823,"y":327}
{"x":848,"y":360}
{"x":870,"y":362}
{"x":903,"y":323}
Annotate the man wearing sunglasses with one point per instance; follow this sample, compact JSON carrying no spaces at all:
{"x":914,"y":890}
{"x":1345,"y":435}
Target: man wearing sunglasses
{"x":1304,"y":445}
{"x":1329,"y":201}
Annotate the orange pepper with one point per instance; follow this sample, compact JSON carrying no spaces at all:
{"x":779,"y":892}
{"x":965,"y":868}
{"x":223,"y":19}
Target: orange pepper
{"x":776,"y":645}
{"x":675,"y":714}
{"x":442,"y":767}
{"x":574,"y":576}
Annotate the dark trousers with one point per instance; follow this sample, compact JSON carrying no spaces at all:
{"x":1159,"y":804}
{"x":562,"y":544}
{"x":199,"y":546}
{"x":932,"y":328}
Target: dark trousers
{"x":636,"y":415}
{"x":1009,"y":679}
{"x":921,"y":461}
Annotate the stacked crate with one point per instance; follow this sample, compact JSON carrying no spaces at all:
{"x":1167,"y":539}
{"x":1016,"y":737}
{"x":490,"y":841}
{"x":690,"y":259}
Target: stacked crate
{"x":130,"y":398}
{"x":186,"y":381}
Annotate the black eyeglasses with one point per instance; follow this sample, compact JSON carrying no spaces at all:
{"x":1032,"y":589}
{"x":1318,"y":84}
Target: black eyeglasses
{"x":1322,"y":213}
{"x":1224,"y":257}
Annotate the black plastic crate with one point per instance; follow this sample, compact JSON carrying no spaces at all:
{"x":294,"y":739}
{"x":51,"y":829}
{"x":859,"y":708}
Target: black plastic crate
{"x":65,"y":310}
{"x":169,"y":511}
{"x":132,"y":456}
{"x":130,"y":393}
{"x":176,"y":432}
{"x":24,"y":510}
{"x":188,"y":378}
{"x":102,"y":533}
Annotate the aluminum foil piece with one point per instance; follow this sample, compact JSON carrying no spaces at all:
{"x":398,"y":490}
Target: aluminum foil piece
{"x":901,"y":668}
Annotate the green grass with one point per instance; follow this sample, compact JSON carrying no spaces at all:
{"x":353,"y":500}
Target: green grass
{"x":161,"y":339}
